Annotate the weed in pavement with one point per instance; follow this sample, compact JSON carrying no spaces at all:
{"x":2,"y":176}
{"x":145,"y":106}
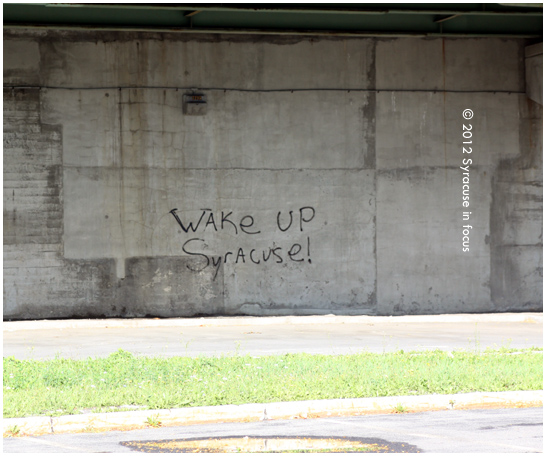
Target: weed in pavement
{"x":153,"y":421}
{"x":400,"y":408}
{"x":14,"y":430}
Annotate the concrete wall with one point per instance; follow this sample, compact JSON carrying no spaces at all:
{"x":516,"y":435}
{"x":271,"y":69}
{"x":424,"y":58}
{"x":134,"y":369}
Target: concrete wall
{"x":325,"y":173}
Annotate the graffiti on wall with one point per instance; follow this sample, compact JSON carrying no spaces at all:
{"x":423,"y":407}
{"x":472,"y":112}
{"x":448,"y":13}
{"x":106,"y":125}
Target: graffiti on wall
{"x":247,"y":226}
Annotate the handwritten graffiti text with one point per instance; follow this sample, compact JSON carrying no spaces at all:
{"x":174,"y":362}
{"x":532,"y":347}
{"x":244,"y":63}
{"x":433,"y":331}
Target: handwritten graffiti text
{"x":214,"y":222}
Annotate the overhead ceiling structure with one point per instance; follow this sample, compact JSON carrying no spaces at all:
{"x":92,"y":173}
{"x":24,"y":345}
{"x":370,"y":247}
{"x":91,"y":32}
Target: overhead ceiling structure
{"x":524,"y":20}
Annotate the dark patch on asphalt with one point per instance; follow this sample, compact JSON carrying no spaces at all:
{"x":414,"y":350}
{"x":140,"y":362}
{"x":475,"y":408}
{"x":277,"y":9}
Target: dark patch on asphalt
{"x":215,"y":445}
{"x":535,"y":424}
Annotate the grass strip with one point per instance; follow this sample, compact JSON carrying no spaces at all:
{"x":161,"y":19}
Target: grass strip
{"x":123,"y":381}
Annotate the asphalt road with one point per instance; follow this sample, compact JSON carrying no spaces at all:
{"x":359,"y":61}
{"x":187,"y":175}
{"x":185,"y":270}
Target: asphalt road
{"x":454,"y":431}
{"x":262,"y":337}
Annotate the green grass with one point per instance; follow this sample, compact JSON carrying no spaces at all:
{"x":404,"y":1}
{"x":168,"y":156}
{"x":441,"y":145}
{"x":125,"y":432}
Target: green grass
{"x":123,"y":381}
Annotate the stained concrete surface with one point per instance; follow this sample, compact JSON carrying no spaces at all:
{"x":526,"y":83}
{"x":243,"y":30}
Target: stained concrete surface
{"x":366,"y":131}
{"x":454,"y":431}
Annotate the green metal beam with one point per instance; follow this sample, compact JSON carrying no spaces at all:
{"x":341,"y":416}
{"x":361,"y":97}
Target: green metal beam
{"x":488,"y":9}
{"x":323,"y":19}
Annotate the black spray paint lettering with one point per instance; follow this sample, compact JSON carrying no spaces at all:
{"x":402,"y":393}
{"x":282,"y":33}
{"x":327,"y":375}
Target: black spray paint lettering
{"x":305,"y":209}
{"x":306,"y":214}
{"x":275,"y":254}
{"x":245,"y":223}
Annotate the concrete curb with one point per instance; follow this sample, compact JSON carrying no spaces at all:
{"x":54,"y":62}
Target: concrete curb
{"x":534,"y":318}
{"x":268,"y":411}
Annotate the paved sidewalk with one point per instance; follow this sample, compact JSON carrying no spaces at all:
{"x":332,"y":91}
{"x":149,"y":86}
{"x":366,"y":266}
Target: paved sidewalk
{"x":270,"y":335}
